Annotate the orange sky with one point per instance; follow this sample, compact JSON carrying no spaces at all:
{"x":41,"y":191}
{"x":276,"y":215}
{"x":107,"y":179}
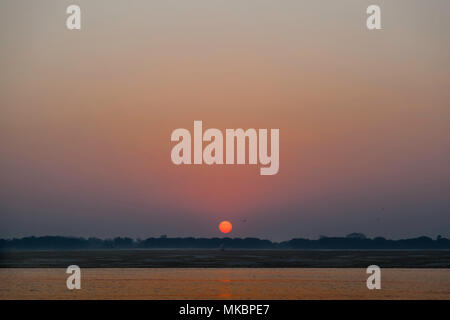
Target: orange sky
{"x":86,"y":117}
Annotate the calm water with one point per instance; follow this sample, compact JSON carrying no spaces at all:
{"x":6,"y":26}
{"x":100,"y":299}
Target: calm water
{"x":179,"y":283}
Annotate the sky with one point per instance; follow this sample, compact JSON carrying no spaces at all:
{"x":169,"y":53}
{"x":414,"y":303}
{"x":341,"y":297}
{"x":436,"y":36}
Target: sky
{"x":86,"y":117}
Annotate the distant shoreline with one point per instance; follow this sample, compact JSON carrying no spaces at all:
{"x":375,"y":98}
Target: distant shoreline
{"x":353,"y":241}
{"x":200,"y":258}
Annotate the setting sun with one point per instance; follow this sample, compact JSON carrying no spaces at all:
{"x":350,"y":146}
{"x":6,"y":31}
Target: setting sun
{"x":225,"y":226}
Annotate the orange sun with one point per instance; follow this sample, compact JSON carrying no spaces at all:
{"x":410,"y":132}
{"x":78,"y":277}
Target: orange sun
{"x":225,"y":226}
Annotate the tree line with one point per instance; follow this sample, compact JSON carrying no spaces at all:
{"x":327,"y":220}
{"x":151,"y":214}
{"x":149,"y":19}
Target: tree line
{"x":351,"y":241}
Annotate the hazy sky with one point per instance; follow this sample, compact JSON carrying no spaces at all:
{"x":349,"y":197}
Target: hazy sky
{"x":86,"y":117}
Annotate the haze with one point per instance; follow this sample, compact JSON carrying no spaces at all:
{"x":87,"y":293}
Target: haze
{"x":86,"y":118}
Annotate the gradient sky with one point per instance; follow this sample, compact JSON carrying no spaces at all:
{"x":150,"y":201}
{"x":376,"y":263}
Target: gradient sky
{"x":86,"y":117}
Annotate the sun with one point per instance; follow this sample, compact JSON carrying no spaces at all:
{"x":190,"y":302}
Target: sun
{"x":225,"y":226}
